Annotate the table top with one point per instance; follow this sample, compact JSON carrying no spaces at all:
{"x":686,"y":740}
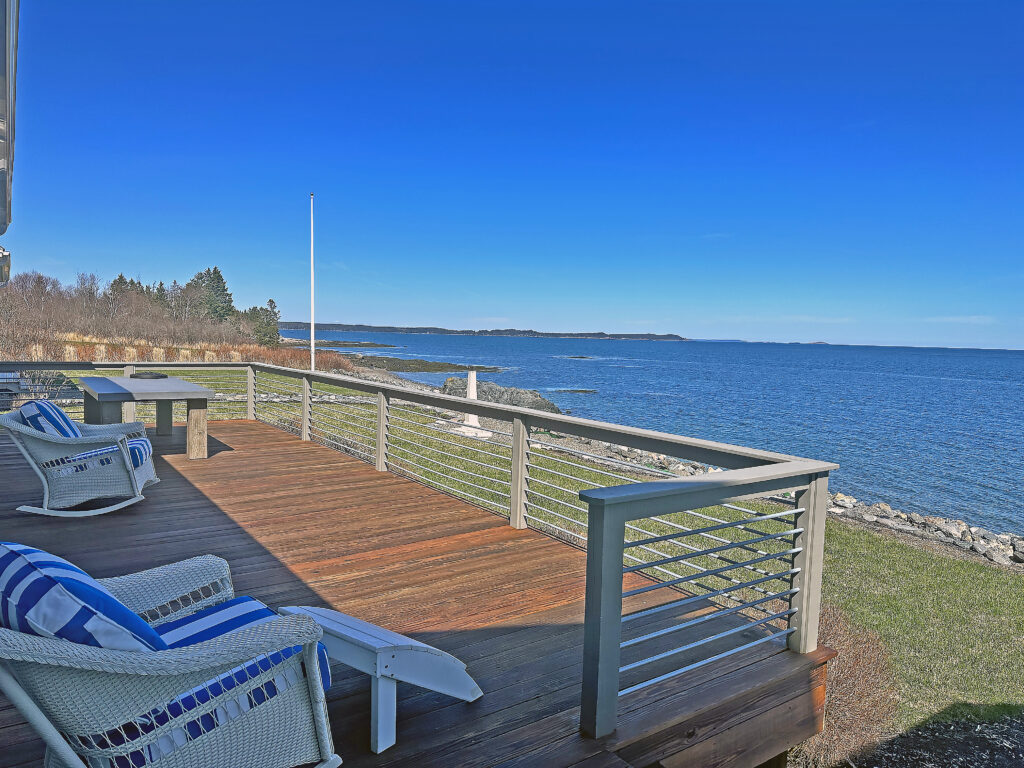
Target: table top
{"x":127,"y":389}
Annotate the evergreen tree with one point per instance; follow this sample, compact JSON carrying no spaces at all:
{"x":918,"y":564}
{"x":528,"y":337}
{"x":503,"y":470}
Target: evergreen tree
{"x":218,"y":303}
{"x":262,"y":324}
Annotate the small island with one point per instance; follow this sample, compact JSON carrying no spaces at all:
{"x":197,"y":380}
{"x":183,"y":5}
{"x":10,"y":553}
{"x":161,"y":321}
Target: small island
{"x":350,"y":328}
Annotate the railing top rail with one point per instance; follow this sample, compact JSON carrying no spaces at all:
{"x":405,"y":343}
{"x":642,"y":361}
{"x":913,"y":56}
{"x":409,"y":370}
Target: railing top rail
{"x":659,"y":497}
{"x":732,"y":457}
{"x":694,"y":449}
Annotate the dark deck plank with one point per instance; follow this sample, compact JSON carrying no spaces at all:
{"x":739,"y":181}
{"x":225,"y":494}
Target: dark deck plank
{"x":303,"y":524}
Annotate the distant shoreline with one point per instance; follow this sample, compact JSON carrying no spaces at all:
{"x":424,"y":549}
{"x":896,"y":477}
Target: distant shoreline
{"x":509,"y":332}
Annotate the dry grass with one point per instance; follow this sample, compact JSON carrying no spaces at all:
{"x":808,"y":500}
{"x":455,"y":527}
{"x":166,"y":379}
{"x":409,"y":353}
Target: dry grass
{"x":861,"y":699}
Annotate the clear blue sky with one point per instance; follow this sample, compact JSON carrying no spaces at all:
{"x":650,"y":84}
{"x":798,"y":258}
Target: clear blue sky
{"x":842,"y":171}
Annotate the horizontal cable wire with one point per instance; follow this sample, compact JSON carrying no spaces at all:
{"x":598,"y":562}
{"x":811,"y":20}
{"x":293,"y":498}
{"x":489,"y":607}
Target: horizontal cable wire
{"x":706,"y":640}
{"x":708,"y":617}
{"x":556,"y":527}
{"x":702,"y":662}
{"x":712,"y":572}
{"x":442,"y":486}
{"x":696,"y":531}
{"x":448,"y":419}
{"x":579,"y":452}
{"x":393,"y":441}
{"x":547,"y":455}
{"x":449,"y":442}
{"x":713,"y":550}
{"x":556,"y":514}
{"x":443,"y":464}
{"x":447,"y":432}
{"x":503,"y":494}
{"x":717,"y":593}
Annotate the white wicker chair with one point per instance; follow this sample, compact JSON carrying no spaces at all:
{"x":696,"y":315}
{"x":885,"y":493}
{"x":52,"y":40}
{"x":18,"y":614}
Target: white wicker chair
{"x":67,"y":483}
{"x":80,"y":699}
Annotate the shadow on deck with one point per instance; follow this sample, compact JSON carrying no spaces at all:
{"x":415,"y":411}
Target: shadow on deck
{"x":302,"y":524}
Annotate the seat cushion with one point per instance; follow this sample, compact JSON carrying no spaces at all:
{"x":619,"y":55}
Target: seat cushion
{"x":205,"y":625}
{"x":47,"y":417}
{"x":42,"y":594}
{"x":218,"y":620}
{"x":139,"y":450}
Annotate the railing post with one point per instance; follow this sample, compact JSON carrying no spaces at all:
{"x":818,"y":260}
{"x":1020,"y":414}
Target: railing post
{"x":813,"y":500}
{"x":250,"y":393}
{"x":383,"y":416}
{"x":602,"y":621}
{"x":307,"y":410}
{"x":128,"y":409}
{"x":520,"y":472}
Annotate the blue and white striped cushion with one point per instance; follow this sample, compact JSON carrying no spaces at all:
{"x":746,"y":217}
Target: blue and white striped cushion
{"x":139,"y":449}
{"x":221,"y":619}
{"x":45,"y":595}
{"x":205,"y":625}
{"x":47,"y":417}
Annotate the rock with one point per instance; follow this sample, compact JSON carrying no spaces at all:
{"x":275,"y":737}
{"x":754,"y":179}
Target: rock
{"x":980,"y":548}
{"x":868,"y":518}
{"x":493,"y":393}
{"x":963,"y":544}
{"x":844,"y":501}
{"x":1018,"y":556}
{"x":997,"y":557}
{"x":916,"y":518}
{"x":833,"y":509}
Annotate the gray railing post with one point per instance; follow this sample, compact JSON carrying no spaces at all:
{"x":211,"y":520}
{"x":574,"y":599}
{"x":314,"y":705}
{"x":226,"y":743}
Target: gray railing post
{"x":383,"y":415}
{"x":250,"y":393}
{"x":128,"y":409}
{"x":520,"y":473}
{"x":602,"y":620}
{"x":813,"y":500}
{"x":307,"y":410}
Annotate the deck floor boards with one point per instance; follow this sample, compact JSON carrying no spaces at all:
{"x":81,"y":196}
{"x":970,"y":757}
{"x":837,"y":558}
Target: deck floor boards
{"x":303,"y":524}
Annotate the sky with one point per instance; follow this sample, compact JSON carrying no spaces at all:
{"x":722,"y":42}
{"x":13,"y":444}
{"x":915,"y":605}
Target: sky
{"x":847,"y":172}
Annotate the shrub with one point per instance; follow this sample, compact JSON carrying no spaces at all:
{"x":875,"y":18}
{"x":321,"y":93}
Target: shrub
{"x":861,"y":697}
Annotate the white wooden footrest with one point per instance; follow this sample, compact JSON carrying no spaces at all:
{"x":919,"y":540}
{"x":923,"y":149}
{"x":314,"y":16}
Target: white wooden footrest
{"x":388,"y":657}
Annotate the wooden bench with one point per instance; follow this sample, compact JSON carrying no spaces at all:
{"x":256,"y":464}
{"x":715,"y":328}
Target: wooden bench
{"x":388,"y":657}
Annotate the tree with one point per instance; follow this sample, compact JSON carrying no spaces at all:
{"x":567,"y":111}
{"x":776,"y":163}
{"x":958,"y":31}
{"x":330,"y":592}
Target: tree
{"x":262,"y":324}
{"x":218,"y":301}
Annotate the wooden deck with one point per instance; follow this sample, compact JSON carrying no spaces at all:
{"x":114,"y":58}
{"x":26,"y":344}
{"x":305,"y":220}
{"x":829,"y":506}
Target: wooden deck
{"x":304,"y":525}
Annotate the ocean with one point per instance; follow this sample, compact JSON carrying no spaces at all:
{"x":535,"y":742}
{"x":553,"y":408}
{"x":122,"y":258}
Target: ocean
{"x":933,"y":431}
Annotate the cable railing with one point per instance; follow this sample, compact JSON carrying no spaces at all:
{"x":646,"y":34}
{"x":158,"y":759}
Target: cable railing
{"x":682,"y":572}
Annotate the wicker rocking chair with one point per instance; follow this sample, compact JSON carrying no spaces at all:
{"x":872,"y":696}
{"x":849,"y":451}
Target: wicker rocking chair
{"x":235,"y":700}
{"x":71,"y":476}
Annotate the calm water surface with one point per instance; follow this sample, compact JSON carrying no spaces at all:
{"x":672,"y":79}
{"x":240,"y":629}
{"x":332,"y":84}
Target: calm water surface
{"x":936,"y":431}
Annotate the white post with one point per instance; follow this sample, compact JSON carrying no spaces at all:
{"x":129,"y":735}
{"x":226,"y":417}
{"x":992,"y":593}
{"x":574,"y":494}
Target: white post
{"x":472,"y":420}
{"x":312,"y":295}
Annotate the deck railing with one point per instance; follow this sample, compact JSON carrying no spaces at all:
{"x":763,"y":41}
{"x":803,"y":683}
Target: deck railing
{"x":724,"y":560}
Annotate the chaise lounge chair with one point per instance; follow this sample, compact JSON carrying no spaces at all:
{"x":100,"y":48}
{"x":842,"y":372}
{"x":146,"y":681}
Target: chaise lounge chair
{"x":78,"y":463}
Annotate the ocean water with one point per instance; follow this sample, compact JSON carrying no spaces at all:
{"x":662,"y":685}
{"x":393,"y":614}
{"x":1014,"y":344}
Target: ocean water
{"x":934,"y":431}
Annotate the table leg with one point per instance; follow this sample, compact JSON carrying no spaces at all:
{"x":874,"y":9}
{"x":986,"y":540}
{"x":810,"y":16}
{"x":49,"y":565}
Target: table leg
{"x":383,"y":713}
{"x":164,"y":416}
{"x":101,"y":412}
{"x":196,"y":435}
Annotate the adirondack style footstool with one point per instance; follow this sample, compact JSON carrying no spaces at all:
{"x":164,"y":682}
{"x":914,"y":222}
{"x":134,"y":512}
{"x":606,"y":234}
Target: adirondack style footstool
{"x":388,"y":658}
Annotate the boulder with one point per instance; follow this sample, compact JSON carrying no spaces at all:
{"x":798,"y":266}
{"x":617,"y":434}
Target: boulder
{"x":915,"y":518}
{"x":997,"y":557}
{"x":844,"y":501}
{"x":493,"y":393}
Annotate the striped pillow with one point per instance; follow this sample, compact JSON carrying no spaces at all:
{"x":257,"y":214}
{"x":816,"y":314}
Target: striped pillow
{"x":41,"y":594}
{"x":47,"y":417}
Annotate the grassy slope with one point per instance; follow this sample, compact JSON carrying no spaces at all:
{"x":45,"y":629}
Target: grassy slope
{"x":954,"y":628}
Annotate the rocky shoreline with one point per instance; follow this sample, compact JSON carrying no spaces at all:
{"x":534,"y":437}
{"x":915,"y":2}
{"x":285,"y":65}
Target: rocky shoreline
{"x":953,"y":535}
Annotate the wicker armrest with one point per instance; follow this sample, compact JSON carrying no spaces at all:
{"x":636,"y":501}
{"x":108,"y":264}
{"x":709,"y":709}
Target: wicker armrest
{"x":174,"y":590}
{"x":202,"y":659}
{"x":128,"y":429}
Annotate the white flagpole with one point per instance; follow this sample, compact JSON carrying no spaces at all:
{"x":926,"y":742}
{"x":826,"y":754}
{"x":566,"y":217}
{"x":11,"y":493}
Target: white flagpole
{"x":312,"y":295}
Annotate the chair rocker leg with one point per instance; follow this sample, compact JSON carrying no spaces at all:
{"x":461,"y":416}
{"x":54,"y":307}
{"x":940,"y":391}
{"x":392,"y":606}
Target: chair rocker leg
{"x":80,"y":512}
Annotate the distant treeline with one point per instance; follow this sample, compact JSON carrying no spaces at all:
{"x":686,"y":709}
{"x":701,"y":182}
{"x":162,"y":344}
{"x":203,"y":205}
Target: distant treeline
{"x":289,"y":326}
{"x":37,"y":309}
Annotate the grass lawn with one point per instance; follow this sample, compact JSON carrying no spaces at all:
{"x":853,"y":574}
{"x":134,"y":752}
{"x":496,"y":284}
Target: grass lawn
{"x":954,"y":628}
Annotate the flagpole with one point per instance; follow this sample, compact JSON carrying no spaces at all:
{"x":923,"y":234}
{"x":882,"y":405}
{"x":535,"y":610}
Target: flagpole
{"x":312,"y":295}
